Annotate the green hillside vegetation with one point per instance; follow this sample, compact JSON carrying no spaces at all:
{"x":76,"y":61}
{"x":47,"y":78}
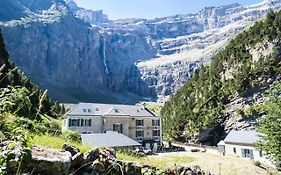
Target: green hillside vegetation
{"x":270,"y":126}
{"x":20,"y":94}
{"x":22,"y":102}
{"x":201,"y":101}
{"x":26,"y":114}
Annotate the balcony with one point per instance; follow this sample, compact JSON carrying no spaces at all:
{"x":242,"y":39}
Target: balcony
{"x":143,"y":127}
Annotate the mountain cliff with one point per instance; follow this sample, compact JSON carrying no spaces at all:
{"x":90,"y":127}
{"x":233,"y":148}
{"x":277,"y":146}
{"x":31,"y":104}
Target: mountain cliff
{"x":229,"y":93}
{"x":19,"y":95}
{"x":81,"y":55}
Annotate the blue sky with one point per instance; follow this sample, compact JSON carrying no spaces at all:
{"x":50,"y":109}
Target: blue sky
{"x":117,"y":9}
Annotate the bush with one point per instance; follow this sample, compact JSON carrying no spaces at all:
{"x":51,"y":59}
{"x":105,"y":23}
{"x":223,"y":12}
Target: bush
{"x":257,"y":163}
{"x":53,"y":126}
{"x":131,"y":152}
{"x":71,"y":136}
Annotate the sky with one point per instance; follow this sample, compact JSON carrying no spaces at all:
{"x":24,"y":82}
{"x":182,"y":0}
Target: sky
{"x":118,"y":9}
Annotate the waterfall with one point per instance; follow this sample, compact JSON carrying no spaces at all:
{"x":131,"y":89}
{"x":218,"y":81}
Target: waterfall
{"x":104,"y":57}
{"x":105,"y":64}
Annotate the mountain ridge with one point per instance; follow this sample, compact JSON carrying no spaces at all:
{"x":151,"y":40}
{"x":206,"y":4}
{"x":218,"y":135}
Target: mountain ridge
{"x":109,"y":61}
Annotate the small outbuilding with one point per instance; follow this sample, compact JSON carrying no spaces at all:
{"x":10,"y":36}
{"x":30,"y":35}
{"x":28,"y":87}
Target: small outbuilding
{"x":242,"y":144}
{"x":108,"y":139}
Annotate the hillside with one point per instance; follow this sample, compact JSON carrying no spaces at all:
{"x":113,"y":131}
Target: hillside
{"x":227,"y":93}
{"x":116,"y":61}
{"x":20,"y":95}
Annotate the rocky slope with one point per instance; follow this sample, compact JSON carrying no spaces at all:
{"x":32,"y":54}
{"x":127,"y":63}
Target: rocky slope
{"x":81,"y":55}
{"x":230,"y":92}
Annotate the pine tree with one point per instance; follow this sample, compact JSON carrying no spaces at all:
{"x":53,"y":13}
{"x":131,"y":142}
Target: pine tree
{"x":270,"y":127}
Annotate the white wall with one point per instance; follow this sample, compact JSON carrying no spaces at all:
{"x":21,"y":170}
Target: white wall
{"x":96,"y":124}
{"x":256,"y":153}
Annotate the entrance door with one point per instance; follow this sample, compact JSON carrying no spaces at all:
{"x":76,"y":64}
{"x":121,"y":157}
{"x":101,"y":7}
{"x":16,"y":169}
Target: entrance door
{"x":248,"y":153}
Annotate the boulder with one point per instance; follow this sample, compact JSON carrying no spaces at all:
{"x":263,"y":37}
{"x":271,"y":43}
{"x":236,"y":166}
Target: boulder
{"x":70,"y":148}
{"x":91,"y":155}
{"x":76,"y":162}
{"x":98,"y":166}
{"x":46,"y":161}
{"x":110,"y":152}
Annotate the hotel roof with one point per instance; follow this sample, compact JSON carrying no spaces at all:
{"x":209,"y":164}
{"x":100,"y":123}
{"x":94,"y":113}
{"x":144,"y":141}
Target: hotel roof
{"x":96,"y":109}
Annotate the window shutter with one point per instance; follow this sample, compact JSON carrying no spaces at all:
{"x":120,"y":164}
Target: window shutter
{"x":90,"y":122}
{"x":78,"y":122}
{"x":114,"y":127}
{"x":243,"y":153}
{"x":121,"y":128}
{"x":69,"y":122}
{"x":82,"y":122}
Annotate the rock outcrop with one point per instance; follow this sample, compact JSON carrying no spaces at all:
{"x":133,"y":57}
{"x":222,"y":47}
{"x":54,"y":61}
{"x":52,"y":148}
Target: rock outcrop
{"x":46,"y":161}
{"x":81,"y":55}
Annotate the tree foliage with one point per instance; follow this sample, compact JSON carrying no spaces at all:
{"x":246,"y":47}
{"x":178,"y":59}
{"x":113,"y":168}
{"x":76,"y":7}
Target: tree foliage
{"x":200,"y":102}
{"x":270,"y":127}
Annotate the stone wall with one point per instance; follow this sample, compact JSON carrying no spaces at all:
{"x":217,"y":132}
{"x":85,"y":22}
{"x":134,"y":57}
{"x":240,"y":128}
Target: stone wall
{"x":71,"y":161}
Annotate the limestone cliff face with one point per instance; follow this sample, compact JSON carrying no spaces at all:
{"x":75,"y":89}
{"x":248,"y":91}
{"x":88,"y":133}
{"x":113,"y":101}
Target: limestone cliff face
{"x":81,"y":55}
{"x":68,"y":56}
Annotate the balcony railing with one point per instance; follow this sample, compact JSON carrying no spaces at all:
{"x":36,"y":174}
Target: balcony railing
{"x":156,"y":138}
{"x":144,"y":127}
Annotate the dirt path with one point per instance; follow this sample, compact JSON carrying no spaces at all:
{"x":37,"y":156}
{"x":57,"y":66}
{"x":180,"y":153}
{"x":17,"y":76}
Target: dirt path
{"x":229,"y":165}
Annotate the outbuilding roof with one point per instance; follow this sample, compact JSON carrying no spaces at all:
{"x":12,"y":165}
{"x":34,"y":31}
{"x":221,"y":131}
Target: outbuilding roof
{"x":108,"y":139}
{"x":97,"y":109}
{"x":242,"y":137}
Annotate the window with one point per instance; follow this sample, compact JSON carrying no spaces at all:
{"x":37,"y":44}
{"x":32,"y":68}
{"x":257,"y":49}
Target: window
{"x":79,"y":122}
{"x":156,"y":133}
{"x":155,"y":122}
{"x":73,"y":122}
{"x":261,"y":154}
{"x":140,"y":133}
{"x":88,"y":122}
{"x":87,"y":110}
{"x":87,"y":132}
{"x":234,"y":150}
{"x":139,"y":122}
{"x":247,"y":153}
{"x":118,"y":127}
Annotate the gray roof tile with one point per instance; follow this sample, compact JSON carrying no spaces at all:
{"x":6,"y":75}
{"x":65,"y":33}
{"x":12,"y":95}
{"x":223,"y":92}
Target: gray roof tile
{"x":109,"y":139}
{"x":244,"y":137}
{"x":96,"y":109}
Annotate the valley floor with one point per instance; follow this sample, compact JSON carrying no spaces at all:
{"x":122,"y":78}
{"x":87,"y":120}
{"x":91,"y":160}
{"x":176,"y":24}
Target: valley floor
{"x":229,"y":165}
{"x":207,"y":161}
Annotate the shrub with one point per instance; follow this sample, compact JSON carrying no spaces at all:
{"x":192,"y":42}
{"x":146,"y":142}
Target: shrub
{"x":257,"y":163}
{"x":131,"y":152}
{"x":15,"y":150}
{"x":71,"y":136}
{"x":53,"y":126}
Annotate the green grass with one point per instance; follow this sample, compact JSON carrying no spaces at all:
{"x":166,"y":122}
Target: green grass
{"x":56,"y":142}
{"x":159,"y":161}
